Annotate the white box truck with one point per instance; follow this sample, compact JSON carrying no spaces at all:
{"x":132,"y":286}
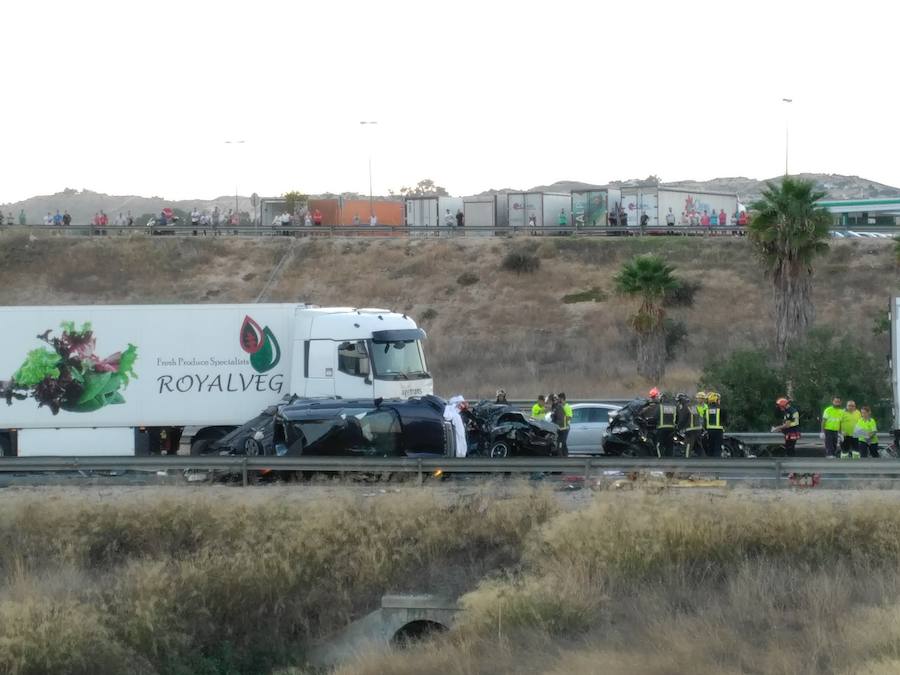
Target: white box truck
{"x":432,"y":211}
{"x":686,"y":204}
{"x":145,"y":378}
{"x":485,"y":211}
{"x":544,"y":207}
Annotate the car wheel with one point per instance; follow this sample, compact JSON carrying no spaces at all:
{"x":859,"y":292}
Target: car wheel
{"x":252,"y":448}
{"x":500,"y":450}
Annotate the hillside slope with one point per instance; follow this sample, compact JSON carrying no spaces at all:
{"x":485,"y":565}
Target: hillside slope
{"x":503,"y":330}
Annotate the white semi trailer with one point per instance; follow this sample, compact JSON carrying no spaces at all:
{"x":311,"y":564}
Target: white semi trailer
{"x":121,"y":380}
{"x":432,"y":211}
{"x":541,"y":208}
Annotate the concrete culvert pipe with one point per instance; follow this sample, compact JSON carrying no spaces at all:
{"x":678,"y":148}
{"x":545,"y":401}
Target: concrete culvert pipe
{"x":415,"y":631}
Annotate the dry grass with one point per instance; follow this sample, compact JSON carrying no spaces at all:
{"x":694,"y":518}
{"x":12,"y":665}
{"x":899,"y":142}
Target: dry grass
{"x":659,"y":585}
{"x":508,"y":330}
{"x":194,"y":585}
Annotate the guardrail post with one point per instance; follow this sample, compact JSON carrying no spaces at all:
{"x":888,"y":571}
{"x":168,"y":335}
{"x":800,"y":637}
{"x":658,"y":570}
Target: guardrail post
{"x":778,"y":473}
{"x":244,"y":481}
{"x":421,"y":478}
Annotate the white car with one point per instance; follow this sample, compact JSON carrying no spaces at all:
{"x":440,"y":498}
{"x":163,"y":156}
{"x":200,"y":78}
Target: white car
{"x":589,"y":422}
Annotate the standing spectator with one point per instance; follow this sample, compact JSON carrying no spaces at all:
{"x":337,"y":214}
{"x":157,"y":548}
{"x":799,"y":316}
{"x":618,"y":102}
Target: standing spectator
{"x":831,"y":426}
{"x":356,"y":221}
{"x":307,"y":220}
{"x":460,"y":218}
{"x":205,"y":221}
{"x":317,"y":218}
{"x":742,"y":219}
{"x":723,"y":218}
{"x":848,"y":428}
{"x":563,"y":218}
{"x":713,"y":219}
{"x":670,"y":219}
{"x":373,"y":220}
{"x":22,"y":218}
{"x":57,"y":219}
{"x":104,"y":222}
{"x":48,"y":219}
{"x":129,"y":220}
{"x":195,"y":220}
{"x":532,"y":224}
{"x":96,"y":222}
{"x":790,"y":425}
{"x":705,"y":220}
{"x":645,"y":221}
{"x":866,"y":433}
{"x":449,"y":219}
{"x":216,"y":219}
{"x":67,"y":219}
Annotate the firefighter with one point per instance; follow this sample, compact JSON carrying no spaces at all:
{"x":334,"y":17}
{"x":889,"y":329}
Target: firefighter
{"x":790,"y":425}
{"x":714,"y":421}
{"x":701,"y":405}
{"x":649,"y":414}
{"x":689,"y":424}
{"x":665,"y":427}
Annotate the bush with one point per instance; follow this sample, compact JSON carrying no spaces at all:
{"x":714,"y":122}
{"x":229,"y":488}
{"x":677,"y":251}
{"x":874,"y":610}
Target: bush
{"x":428,"y":315}
{"x":593,"y":295}
{"x":825,"y":365}
{"x":749,"y":384}
{"x":682,"y":295}
{"x":467,"y":279}
{"x":819,"y":367}
{"x":676,"y":335}
{"x":521,"y":262}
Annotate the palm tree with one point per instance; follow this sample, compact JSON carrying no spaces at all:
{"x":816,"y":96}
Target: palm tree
{"x":648,"y":278}
{"x":789,"y":232}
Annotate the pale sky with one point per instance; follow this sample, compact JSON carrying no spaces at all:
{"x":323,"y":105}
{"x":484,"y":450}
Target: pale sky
{"x":136,"y":97}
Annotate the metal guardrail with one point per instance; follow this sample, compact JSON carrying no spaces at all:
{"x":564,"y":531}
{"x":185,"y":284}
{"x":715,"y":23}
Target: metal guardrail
{"x":776,"y":469}
{"x":411,"y":231}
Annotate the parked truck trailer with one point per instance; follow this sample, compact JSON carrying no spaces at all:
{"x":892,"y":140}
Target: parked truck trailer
{"x":120,"y":380}
{"x":432,"y":211}
{"x":541,"y":208}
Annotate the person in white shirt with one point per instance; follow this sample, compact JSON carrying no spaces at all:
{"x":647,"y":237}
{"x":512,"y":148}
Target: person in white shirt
{"x":373,"y":221}
{"x":452,"y":414}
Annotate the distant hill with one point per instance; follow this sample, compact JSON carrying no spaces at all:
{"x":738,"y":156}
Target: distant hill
{"x":83,"y":204}
{"x":749,"y":190}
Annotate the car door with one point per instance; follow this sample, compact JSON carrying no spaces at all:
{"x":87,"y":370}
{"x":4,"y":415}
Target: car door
{"x":588,"y":425}
{"x":578,"y":439}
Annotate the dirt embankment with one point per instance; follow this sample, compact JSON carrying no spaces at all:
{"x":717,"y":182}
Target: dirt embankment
{"x":490,"y":328}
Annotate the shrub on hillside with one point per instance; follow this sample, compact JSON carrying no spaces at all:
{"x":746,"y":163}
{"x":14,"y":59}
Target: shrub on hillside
{"x":521,"y":262}
{"x":429,"y":314}
{"x":592,"y":295}
{"x":467,"y":279}
{"x":682,"y":295}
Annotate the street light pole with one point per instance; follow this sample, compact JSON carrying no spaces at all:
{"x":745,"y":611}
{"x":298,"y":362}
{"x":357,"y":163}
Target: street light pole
{"x":786,"y":135}
{"x":371,"y":199}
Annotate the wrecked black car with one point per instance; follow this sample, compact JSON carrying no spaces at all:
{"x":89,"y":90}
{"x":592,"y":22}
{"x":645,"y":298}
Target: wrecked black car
{"x":344,"y":427}
{"x":499,"y":430}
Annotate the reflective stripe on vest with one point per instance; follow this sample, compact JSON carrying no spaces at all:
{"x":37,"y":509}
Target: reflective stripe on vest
{"x":666,"y":416}
{"x":695,"y":422}
{"x":713,"y":418}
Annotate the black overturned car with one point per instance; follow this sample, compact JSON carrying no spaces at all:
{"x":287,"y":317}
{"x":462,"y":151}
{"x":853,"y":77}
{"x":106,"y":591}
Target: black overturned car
{"x":499,"y":430}
{"x":344,"y":427}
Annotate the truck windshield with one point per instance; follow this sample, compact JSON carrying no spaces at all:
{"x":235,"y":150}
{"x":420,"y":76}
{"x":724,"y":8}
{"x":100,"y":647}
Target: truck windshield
{"x":398,"y":360}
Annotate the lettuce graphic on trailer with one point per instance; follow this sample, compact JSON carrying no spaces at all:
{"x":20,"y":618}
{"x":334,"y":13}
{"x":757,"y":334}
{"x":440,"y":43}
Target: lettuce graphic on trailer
{"x":260,"y":344}
{"x":69,"y":376}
